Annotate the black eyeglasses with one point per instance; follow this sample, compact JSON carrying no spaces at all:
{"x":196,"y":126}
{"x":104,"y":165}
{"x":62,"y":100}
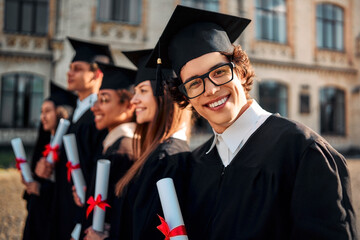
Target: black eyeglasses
{"x":195,"y":86}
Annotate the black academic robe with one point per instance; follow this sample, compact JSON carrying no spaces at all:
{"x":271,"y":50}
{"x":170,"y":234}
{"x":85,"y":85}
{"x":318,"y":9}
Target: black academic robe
{"x":89,"y":143}
{"x":37,"y":225}
{"x":286,"y":182}
{"x":120,"y":163}
{"x":135,"y":212}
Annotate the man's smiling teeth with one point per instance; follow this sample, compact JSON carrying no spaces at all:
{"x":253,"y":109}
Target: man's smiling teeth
{"x":98,"y":116}
{"x":218,"y":103}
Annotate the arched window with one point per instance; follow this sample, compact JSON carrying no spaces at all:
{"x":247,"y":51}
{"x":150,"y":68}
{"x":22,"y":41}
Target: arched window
{"x":273,"y":97}
{"x":21,"y":98}
{"x":332,"y":112}
{"x":329,"y":27}
{"x":211,"y":5}
{"x":271,"y":20}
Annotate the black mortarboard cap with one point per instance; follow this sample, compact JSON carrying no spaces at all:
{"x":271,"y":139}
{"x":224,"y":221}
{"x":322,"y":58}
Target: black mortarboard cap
{"x":90,"y":52}
{"x":139,"y":58}
{"x":116,"y":77}
{"x":191,"y":33}
{"x":60,"y":96}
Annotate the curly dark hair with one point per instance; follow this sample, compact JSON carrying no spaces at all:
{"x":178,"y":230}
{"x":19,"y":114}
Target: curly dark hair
{"x":243,"y":69}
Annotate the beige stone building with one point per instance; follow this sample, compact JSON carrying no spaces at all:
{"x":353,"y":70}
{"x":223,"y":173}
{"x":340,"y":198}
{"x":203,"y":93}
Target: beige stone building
{"x":306,"y":54}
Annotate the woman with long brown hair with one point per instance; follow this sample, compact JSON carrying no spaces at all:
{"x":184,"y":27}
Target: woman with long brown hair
{"x":160,"y":149}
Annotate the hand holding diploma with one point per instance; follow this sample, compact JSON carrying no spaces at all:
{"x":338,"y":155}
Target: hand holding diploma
{"x":173,"y":228}
{"x":51,"y":151}
{"x":21,"y":162}
{"x":44,"y":169}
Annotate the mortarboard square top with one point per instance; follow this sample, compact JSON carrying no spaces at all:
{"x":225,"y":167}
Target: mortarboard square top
{"x":139,"y":58}
{"x":116,"y":77}
{"x":90,"y":51}
{"x":60,"y":96}
{"x":191,"y":33}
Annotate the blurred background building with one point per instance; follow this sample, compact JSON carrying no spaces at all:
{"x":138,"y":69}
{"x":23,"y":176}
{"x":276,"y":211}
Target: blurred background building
{"x":306,"y":54}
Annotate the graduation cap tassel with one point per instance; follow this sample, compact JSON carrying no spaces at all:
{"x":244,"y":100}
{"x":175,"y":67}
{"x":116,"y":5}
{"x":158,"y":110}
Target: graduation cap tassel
{"x":159,"y":78}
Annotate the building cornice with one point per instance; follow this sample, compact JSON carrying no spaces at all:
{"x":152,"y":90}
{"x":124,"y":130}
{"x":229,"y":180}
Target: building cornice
{"x":303,"y":66}
{"x":26,"y":55}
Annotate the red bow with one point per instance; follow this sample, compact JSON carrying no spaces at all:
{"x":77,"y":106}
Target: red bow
{"x":19,"y":161}
{"x":71,"y":167}
{"x":92,"y":203}
{"x":164,"y":228}
{"x":54,"y":150}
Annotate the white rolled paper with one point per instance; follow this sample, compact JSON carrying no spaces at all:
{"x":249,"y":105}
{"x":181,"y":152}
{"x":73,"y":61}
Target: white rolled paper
{"x":73,"y":157}
{"x":101,"y":187}
{"x":19,"y":151}
{"x":75,"y":234}
{"x":170,"y":205}
{"x":57,"y":140}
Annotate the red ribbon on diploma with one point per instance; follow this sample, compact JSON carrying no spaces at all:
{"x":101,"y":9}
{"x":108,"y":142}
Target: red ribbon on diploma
{"x":70,"y":168}
{"x":164,"y":228}
{"x":54,"y":150}
{"x":19,"y":161}
{"x":92,"y":203}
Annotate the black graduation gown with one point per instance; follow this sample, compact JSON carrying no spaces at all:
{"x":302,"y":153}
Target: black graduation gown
{"x":120,"y":163}
{"x":135,"y":212}
{"x":286,"y":182}
{"x":89,"y":143}
{"x":37,"y":225}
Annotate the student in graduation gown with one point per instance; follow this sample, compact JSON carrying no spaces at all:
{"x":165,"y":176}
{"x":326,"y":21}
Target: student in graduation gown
{"x":114,"y":112}
{"x":161,"y":150}
{"x":39,"y":193}
{"x":84,"y":77}
{"x":261,"y":176}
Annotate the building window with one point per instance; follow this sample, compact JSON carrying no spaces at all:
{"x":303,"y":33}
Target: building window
{"x":304,"y":103}
{"x":126,"y":11}
{"x":26,"y":16}
{"x":211,"y":5}
{"x":332,"y":104}
{"x":330,"y":27}
{"x":21,"y":98}
{"x":271,"y":20}
{"x":273,"y":97}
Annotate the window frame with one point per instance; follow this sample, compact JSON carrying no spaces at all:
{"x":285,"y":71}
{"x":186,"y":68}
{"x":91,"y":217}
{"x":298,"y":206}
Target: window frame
{"x":112,"y":18}
{"x":339,"y":106}
{"x":26,"y":99}
{"x":35,"y":5}
{"x":263,"y":102}
{"x":260,"y":33}
{"x":333,"y":23}
{"x":202,"y":4}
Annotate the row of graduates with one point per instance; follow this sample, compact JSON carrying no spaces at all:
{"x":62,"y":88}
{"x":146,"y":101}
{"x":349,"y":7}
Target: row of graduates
{"x":106,"y":129}
{"x":260,"y":176}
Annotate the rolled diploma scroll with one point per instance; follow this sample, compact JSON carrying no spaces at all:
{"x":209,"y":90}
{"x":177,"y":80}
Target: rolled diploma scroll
{"x":75,"y":234}
{"x":170,"y":205}
{"x":19,"y":151}
{"x":101,"y":187}
{"x":60,"y":131}
{"x":73,"y":157}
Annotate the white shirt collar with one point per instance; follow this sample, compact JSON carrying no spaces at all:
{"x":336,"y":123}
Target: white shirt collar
{"x":83,"y":106}
{"x":123,"y":130}
{"x":181,"y":134}
{"x":88,"y":101}
{"x":236,"y":133}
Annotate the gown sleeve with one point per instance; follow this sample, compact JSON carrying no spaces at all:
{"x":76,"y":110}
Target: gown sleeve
{"x":321,"y":200}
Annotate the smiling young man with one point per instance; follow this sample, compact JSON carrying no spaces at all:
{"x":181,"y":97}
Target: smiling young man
{"x":260,"y":176}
